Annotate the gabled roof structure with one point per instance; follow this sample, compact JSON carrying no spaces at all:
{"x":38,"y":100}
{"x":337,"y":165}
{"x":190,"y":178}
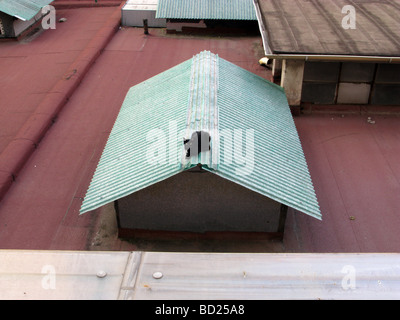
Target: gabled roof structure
{"x":206,"y":9}
{"x":254,"y":141}
{"x":23,"y":9}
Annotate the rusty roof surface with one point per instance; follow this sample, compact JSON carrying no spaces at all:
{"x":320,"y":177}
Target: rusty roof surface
{"x":355,"y":165}
{"x":321,"y":27}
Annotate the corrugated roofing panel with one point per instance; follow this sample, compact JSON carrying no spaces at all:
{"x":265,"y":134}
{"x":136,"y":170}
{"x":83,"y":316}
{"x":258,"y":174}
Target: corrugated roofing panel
{"x":23,"y":9}
{"x":264,"y":152}
{"x":203,"y":112}
{"x":206,"y":9}
{"x":254,"y":141}
{"x":144,"y":146}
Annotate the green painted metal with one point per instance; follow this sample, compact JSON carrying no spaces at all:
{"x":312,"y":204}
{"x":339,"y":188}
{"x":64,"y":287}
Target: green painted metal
{"x":202,"y":112}
{"x":206,"y":9}
{"x":149,"y":121}
{"x":23,"y":9}
{"x":254,"y":141}
{"x":253,"y":108}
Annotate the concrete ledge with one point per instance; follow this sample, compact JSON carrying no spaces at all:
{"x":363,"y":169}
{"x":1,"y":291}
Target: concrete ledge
{"x":104,"y":275}
{"x":16,"y":154}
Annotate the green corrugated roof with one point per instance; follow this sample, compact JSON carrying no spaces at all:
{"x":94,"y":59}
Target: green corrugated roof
{"x":23,"y":9}
{"x":254,"y":141}
{"x":206,"y":9}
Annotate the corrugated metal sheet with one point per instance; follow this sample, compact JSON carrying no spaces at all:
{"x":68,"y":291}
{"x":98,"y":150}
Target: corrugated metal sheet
{"x":23,"y":9}
{"x":82,"y":275}
{"x":278,"y":168}
{"x":254,"y":139}
{"x":206,"y":9}
{"x":203,"y":107}
{"x":149,"y":113}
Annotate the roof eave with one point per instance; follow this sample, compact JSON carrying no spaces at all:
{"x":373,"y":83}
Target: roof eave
{"x":330,"y":57}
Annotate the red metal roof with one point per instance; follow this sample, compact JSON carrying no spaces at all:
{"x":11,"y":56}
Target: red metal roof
{"x":354,"y":164}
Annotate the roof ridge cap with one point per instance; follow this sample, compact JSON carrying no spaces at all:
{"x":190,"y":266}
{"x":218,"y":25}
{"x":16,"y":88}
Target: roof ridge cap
{"x":202,"y":110}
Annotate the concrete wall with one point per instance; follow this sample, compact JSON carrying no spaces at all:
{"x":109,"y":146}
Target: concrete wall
{"x":7,"y":23}
{"x":276,"y":69}
{"x":134,"y":18}
{"x":291,"y":80}
{"x":199,"y":202}
{"x":178,"y":25}
{"x":135,"y":11}
{"x":21,"y":26}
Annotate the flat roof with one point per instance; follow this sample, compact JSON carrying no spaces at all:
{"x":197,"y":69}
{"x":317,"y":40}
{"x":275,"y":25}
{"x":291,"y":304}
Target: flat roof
{"x":83,"y":275}
{"x":315,"y":27}
{"x":141,"y":5}
{"x":354,"y":165}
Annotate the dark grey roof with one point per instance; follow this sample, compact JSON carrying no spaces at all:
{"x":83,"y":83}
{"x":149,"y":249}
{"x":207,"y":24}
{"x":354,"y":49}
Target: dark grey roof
{"x":315,"y":27}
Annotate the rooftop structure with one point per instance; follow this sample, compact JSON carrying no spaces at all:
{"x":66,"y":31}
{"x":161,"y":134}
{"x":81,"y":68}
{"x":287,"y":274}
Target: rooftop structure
{"x":316,"y":28}
{"x":354,"y":163}
{"x":23,"y":9}
{"x":18,"y":16}
{"x":135,"y":11}
{"x":206,"y":9}
{"x":333,"y":52}
{"x":252,"y":136}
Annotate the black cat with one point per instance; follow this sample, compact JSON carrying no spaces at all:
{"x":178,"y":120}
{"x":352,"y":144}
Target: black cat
{"x":200,"y":141}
